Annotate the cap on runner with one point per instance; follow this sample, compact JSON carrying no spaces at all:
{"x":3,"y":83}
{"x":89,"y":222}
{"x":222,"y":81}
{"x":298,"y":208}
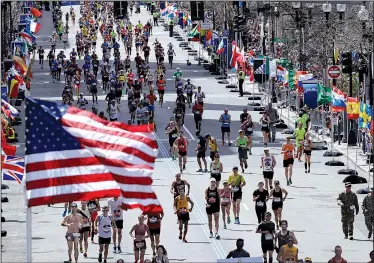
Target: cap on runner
{"x":267,"y":214}
{"x":266,"y":149}
{"x":212,"y":180}
{"x":224,"y":182}
{"x":235,"y":168}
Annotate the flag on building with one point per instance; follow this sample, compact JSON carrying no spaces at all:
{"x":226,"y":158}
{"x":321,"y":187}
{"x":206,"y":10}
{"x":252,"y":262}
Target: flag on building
{"x":353,"y":108}
{"x":12,"y":168}
{"x":75,"y":155}
{"x":338,"y":100}
{"x":324,"y":94}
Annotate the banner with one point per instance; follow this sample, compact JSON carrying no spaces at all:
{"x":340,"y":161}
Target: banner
{"x":180,"y":20}
{"x":18,"y":48}
{"x":259,"y":67}
{"x":162,"y":5}
{"x":310,"y":94}
{"x":23,"y":19}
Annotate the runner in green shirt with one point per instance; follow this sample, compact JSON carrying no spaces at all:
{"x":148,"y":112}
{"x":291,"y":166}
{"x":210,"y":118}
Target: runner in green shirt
{"x":177,"y":75}
{"x":299,"y":134}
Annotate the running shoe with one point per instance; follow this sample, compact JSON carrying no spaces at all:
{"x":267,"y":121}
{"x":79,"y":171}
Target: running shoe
{"x":205,"y":170}
{"x":230,"y":143}
{"x":211,"y":234}
{"x":217,"y":236}
{"x":290,"y":181}
{"x":81,"y":249}
{"x":114,"y":250}
{"x":199,"y":171}
{"x":85,"y":254}
{"x":238,"y":222}
{"x":224,"y":226}
{"x":228,"y":220}
{"x":184,"y":167}
{"x":308,"y":170}
{"x":100,"y":259}
{"x":119,"y":249}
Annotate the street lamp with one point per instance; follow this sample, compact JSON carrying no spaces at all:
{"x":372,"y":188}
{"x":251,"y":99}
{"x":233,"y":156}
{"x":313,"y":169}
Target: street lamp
{"x":326,"y":8}
{"x":341,"y":9}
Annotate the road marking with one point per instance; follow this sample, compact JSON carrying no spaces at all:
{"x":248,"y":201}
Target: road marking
{"x":189,"y":133}
{"x":217,"y":247}
{"x":245,"y":206}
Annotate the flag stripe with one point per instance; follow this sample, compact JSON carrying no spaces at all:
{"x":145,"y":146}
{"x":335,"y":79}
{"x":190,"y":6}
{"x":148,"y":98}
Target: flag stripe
{"x":70,"y":197}
{"x":87,"y":157}
{"x":6,"y":166}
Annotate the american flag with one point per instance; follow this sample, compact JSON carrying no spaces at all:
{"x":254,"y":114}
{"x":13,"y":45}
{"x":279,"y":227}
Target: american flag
{"x":12,"y":168}
{"x":73,"y":155}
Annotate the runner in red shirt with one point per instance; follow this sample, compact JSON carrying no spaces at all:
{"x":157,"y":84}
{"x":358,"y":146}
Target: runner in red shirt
{"x":181,"y":145}
{"x":154,"y":225}
{"x":151,"y":98}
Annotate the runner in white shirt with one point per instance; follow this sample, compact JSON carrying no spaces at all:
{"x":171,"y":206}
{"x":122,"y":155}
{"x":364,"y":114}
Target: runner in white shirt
{"x":82,"y":102}
{"x":267,"y":164}
{"x":65,"y":39}
{"x":103,"y":226}
{"x":117,"y":212}
{"x":113,"y":111}
{"x":200,"y":96}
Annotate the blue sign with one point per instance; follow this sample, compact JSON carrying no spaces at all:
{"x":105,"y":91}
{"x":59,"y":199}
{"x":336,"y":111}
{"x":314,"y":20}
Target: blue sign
{"x":162,"y":5}
{"x":28,"y":3}
{"x":4,"y":92}
{"x":18,"y":48}
{"x":225,"y":46}
{"x":310,"y":94}
{"x":23,"y":19}
{"x":67,"y":3}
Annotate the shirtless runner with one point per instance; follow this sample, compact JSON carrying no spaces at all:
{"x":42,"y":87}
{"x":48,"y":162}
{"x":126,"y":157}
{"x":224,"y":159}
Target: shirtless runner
{"x":73,"y":224}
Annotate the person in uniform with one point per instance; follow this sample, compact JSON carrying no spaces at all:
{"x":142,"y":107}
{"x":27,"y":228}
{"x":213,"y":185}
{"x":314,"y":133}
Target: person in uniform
{"x":368,"y":210}
{"x":348,"y":202}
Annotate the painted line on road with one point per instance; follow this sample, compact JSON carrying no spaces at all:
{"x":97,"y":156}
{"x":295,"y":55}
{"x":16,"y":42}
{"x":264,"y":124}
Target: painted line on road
{"x":189,"y":133}
{"x":245,"y":206}
{"x":217,"y":247}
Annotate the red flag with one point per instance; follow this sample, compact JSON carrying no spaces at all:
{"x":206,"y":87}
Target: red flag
{"x":35,"y":12}
{"x":7,"y":148}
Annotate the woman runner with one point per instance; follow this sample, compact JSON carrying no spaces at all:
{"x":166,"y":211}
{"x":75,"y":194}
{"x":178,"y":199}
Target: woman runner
{"x":307,"y":152}
{"x":278,"y":199}
{"x":141,"y":232}
{"x":216,"y":169}
{"x":225,"y":203}
{"x":212,"y":198}
{"x":265,"y":122}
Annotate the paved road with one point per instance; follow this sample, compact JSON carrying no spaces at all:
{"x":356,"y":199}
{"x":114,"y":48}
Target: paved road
{"x":311,"y":208}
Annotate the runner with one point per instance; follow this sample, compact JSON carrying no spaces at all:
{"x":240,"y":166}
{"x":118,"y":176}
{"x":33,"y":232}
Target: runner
{"x":154,"y":225}
{"x":242,"y":144}
{"x":247,"y":126}
{"x":197,"y":111}
{"x":161,"y":89}
{"x":268,"y":163}
{"x":260,"y":197}
{"x":212,"y":198}
{"x":216,"y":169}
{"x":72,"y":222}
{"x":307,"y":152}
{"x":189,"y":92}
{"x":179,"y":185}
{"x":239,"y":252}
{"x":213,"y":146}
{"x":225,"y":196}
{"x":338,"y":256}
{"x":103,"y":227}
{"x":299,"y":134}
{"x":85,"y":230}
{"x":236,"y":181}
{"x":141,"y":232}
{"x":225,"y":119}
{"x":117,"y":213}
{"x":267,"y":230}
{"x":172,"y":131}
{"x":265,"y":122}
{"x":282,"y":235}
{"x":93,"y":207}
{"x":200,"y":150}
{"x":200,"y":96}
{"x":181,"y":145}
{"x":288,"y":150}
{"x":288,"y":252}
{"x":182,"y":211}
{"x":278,"y":199}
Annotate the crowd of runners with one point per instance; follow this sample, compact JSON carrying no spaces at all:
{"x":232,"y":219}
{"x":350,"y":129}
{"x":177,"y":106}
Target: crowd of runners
{"x":144,"y":89}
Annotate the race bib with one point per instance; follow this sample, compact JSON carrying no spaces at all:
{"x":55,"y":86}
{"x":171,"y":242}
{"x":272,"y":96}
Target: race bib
{"x":174,"y":135}
{"x":260,"y":204}
{"x":226,"y":123}
{"x":76,"y":234}
{"x":106,"y":228}
{"x":215,"y":171}
{"x":179,"y":115}
{"x":289,"y":154}
{"x":182,"y":211}
{"x":277,"y":199}
{"x":235,"y":188}
{"x":225,"y":200}
{"x":77,"y":82}
{"x":197,"y":112}
{"x":249,"y":129}
{"x":212,"y":200}
{"x":268,"y":237}
{"x":352,"y":207}
{"x":117,"y":213}
{"x":264,"y":125}
{"x":153,"y":220}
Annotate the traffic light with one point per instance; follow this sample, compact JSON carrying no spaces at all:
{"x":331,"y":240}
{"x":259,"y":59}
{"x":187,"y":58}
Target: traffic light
{"x":347,"y":62}
{"x":120,"y":9}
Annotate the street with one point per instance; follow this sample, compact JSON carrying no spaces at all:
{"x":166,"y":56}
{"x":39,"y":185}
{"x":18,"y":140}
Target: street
{"x":311,"y":208}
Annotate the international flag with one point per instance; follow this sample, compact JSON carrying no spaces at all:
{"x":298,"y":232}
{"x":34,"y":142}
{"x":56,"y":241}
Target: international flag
{"x":75,"y":155}
{"x":338,"y":100}
{"x":20,"y":64}
{"x":12,"y":168}
{"x":13,"y":111}
{"x":26,"y":37}
{"x":353,"y":108}
{"x":235,"y":55}
{"x":6,"y":148}
{"x":35,"y":27}
{"x":35,"y":12}
{"x":195,"y":32}
{"x":221,"y":47}
{"x":13,"y":85}
{"x":365,"y":116}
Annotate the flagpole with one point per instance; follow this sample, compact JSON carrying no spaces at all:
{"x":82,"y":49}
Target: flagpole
{"x":28,"y":236}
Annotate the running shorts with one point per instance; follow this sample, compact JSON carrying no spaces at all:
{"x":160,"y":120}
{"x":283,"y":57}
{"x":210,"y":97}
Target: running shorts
{"x":216,"y":176}
{"x":267,"y":246}
{"x":225,"y":129}
{"x":155,"y":231}
{"x":236,"y":195}
{"x":140,"y":245}
{"x":308,"y":152}
{"x":119,"y":224}
{"x":213,"y":208}
{"x":104,"y":241}
{"x":184,"y":217}
{"x":288,"y":162}
{"x":268,"y":175}
{"x":201,"y":154}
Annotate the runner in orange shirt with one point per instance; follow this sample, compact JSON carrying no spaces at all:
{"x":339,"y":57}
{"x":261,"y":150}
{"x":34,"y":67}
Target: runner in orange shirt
{"x":288,"y":149}
{"x":161,"y":89}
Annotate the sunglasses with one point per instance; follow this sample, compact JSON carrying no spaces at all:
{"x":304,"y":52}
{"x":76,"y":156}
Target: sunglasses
{"x":74,"y":206}
{"x":105,"y":210}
